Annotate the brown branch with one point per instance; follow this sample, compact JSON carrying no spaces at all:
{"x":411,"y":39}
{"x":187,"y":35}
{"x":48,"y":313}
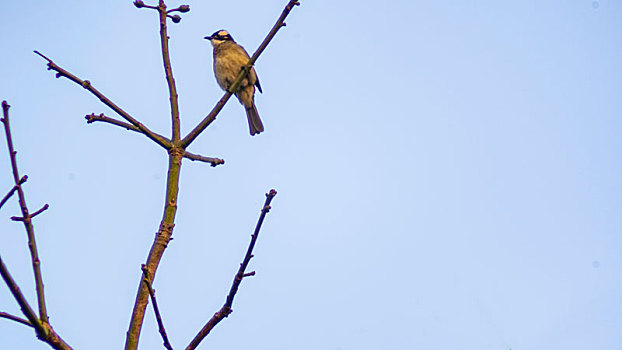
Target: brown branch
{"x":213,"y":161}
{"x":168,"y":70}
{"x":8,"y":316}
{"x":41,"y":324}
{"x":32,"y":244}
{"x":156,"y":310}
{"x":30,"y":216}
{"x":12,"y":191}
{"x":225,"y":310}
{"x":21,"y":299}
{"x":221,"y":103}
{"x":105,"y":100}
{"x":91,"y":118}
{"x":163,"y":237}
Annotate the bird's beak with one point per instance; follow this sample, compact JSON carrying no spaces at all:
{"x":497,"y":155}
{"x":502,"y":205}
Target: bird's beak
{"x":208,"y":38}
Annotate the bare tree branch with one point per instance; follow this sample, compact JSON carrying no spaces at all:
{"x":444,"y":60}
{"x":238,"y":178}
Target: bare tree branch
{"x":41,"y":324}
{"x":156,"y":310}
{"x":91,"y":118}
{"x":176,"y":153}
{"x":8,"y":316}
{"x":225,"y":310}
{"x":21,"y":299}
{"x":32,"y":244}
{"x":105,"y":100}
{"x":30,"y":216}
{"x":221,"y":103}
{"x":213,"y":161}
{"x":168,"y":70}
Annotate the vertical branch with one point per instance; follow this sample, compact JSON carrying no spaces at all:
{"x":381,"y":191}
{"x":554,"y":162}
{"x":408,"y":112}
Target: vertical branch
{"x":172,"y":89}
{"x":41,"y":324}
{"x":32,"y":244}
{"x":157,"y":249}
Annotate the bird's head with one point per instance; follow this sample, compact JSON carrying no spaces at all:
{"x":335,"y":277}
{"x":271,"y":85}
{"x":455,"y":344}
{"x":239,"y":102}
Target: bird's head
{"x":219,"y":37}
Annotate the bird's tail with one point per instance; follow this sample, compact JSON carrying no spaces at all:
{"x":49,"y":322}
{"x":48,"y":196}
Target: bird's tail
{"x":254,"y":122}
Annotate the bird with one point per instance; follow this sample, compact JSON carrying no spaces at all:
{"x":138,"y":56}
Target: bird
{"x":229,"y":58}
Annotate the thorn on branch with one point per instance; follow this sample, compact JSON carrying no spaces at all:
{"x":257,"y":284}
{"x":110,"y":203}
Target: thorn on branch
{"x":249,"y":274}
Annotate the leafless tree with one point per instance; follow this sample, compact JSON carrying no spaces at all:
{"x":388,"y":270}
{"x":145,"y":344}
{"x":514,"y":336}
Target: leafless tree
{"x":176,"y":147}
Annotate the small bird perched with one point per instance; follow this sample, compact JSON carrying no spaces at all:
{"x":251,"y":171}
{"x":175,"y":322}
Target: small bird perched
{"x":229,"y":58}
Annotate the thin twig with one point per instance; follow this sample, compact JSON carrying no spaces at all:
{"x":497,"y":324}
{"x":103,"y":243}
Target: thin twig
{"x":225,"y":310}
{"x":32,"y":244}
{"x":21,"y":299}
{"x":213,"y":161}
{"x":12,"y":191}
{"x":8,"y":316}
{"x":156,"y":310}
{"x":186,"y":141}
{"x":30,"y":216}
{"x":91,"y":118}
{"x":105,"y":100}
{"x":168,"y":71}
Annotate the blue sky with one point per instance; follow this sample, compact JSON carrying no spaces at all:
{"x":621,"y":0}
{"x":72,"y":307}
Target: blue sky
{"x":448,"y":174}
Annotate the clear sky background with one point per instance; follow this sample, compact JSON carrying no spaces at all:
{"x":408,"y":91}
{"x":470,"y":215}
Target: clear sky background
{"x":449,"y":174}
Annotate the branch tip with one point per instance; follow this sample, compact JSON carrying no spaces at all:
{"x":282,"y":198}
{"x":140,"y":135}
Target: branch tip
{"x":8,"y":316}
{"x":42,"y":55}
{"x":44,"y":208}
